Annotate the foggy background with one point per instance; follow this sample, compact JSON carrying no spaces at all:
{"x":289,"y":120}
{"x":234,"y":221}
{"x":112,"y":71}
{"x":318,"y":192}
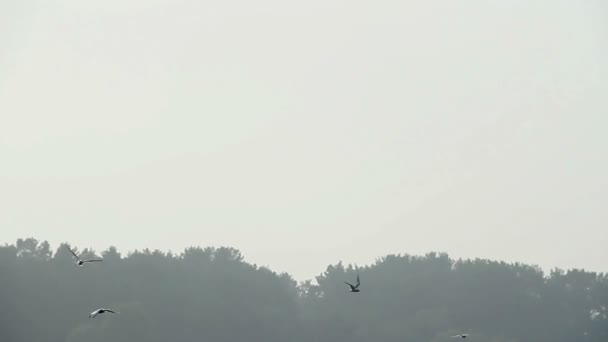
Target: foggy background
{"x":304,"y":133}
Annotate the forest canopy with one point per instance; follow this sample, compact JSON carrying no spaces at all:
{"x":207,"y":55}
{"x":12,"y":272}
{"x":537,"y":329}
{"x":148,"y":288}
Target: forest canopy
{"x":213,"y":294}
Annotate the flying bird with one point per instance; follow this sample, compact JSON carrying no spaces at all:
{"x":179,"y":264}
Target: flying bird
{"x":79,"y":261}
{"x":460,"y":336}
{"x":100,"y":311}
{"x":354,"y":288}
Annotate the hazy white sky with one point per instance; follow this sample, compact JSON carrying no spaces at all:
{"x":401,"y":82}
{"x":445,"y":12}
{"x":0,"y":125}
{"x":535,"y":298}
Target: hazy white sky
{"x":308,"y":132}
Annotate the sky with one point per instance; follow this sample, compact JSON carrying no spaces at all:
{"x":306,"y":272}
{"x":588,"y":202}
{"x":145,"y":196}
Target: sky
{"x":304,"y":133}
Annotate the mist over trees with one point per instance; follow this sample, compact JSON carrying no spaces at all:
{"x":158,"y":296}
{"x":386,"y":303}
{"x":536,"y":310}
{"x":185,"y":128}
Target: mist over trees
{"x":212,"y":294}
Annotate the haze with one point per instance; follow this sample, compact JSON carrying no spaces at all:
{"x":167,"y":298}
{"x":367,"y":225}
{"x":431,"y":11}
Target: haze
{"x":304,"y":133}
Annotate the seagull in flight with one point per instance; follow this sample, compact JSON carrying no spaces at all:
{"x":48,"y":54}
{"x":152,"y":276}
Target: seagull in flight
{"x":79,"y":261}
{"x":354,"y":288}
{"x":460,"y":336}
{"x":100,"y":311}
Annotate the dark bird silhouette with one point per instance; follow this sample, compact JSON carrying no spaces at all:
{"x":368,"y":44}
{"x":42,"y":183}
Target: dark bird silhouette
{"x":354,"y":288}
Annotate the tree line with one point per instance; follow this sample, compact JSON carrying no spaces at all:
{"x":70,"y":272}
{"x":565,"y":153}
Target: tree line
{"x":213,"y":294}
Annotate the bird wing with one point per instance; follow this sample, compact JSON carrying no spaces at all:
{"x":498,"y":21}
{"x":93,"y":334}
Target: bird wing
{"x":94,"y":313}
{"x":358,"y":281}
{"x":71,"y":251}
{"x":114,"y":312}
{"x":349,"y":284}
{"x":91,"y":260}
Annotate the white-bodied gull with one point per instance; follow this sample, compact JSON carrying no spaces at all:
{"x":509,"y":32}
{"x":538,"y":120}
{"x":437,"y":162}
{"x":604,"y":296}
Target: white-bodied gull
{"x":100,"y":311}
{"x":79,"y":261}
{"x":460,"y":336}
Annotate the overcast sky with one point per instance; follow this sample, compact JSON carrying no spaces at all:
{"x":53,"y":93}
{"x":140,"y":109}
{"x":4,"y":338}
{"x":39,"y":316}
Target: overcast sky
{"x":308,"y":132}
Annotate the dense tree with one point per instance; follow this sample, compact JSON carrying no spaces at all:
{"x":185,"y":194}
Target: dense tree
{"x":212,"y":294}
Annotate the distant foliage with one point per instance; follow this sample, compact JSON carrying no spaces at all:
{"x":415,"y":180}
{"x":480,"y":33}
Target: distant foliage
{"x":212,"y":294}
